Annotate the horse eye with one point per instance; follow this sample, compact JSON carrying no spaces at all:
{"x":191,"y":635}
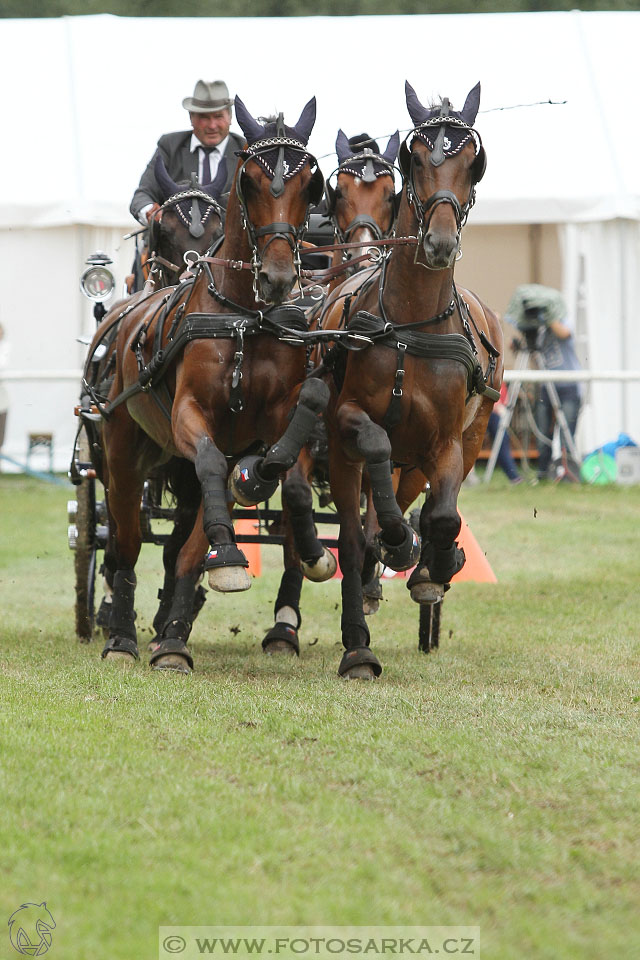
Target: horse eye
{"x":248,"y":185}
{"x":417,"y":162}
{"x":338,"y":193}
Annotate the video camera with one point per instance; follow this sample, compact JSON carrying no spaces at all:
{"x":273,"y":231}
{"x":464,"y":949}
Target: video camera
{"x":531,"y":320}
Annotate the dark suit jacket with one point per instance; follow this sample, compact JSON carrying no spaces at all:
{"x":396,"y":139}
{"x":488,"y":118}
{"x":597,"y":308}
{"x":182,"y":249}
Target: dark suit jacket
{"x":180,"y":164}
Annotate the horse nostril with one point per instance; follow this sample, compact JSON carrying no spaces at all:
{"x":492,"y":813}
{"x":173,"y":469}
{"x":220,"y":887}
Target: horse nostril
{"x":441,"y":249}
{"x":275,"y":287}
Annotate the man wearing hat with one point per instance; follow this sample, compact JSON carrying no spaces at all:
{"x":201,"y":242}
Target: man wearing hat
{"x":198,"y":150}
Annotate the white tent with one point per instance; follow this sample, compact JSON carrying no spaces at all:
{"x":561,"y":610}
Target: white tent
{"x":87,"y":97}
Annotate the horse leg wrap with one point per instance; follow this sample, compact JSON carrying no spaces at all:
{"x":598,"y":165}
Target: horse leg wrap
{"x":443,"y":564}
{"x":165,"y":596}
{"x":355,"y":632}
{"x":313,"y":400}
{"x":122,"y":630}
{"x":397,"y":545}
{"x":180,"y":619}
{"x":216,"y":513}
{"x":306,"y":537}
{"x":211,"y":468}
{"x":384,"y":499}
{"x":289,"y":593}
{"x":437,"y":566}
{"x":297,"y":495}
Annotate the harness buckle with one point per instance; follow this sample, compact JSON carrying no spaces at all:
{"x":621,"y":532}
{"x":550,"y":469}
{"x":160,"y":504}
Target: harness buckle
{"x":375,"y":254}
{"x":235,"y":264}
{"x":400,"y":371}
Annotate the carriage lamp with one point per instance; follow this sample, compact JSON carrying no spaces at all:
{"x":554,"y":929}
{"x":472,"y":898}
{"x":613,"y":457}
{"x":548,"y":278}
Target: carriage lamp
{"x":97,"y":282}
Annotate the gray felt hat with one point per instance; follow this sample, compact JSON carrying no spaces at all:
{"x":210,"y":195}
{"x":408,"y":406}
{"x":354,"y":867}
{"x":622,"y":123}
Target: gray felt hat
{"x":208,"y":97}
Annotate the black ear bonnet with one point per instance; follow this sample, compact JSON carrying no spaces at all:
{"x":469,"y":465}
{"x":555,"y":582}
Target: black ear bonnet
{"x":281,"y":150}
{"x":444,"y":131}
{"x":194,"y":203}
{"x":360,"y":156}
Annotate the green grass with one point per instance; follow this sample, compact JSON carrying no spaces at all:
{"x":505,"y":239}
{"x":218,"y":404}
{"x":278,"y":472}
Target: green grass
{"x":491,"y":784}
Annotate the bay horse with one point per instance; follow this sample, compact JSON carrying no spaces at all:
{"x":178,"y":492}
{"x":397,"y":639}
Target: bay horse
{"x":190,"y":219}
{"x":420,"y":395}
{"x":362,"y":208}
{"x":362,"y":204}
{"x":213,"y":372}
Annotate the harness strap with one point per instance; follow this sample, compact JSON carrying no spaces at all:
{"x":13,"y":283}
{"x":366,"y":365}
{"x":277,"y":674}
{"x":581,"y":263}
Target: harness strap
{"x":394,"y":411}
{"x":432,"y":346}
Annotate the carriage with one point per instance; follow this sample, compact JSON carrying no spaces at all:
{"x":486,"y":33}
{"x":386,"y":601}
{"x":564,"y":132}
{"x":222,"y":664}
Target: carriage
{"x":261,"y":421}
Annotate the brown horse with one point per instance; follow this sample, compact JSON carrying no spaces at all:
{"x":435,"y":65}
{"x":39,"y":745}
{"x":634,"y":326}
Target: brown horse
{"x":188,"y":220}
{"x":362,"y":208}
{"x":421,"y":394}
{"x":191,"y":219}
{"x":210,"y":372}
{"x":362,"y":205}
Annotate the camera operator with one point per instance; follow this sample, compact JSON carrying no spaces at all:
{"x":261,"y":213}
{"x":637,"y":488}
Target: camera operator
{"x":540,"y":314}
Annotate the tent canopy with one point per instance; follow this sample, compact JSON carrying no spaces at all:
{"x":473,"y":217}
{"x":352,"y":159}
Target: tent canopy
{"x":91,"y":95}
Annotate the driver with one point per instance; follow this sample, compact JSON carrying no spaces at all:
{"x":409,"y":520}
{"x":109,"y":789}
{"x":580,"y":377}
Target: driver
{"x":198,"y":150}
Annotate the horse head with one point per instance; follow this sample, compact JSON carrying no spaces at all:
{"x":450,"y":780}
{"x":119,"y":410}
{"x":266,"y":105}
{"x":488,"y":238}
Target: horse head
{"x":441,"y":166}
{"x":361,"y":205}
{"x":190,"y":218}
{"x":277,"y":183}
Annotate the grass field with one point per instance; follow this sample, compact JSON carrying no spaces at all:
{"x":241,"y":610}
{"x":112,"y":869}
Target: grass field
{"x":492,"y":784}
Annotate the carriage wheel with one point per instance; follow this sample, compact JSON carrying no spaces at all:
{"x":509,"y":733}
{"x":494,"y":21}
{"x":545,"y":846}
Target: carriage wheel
{"x":429,"y":633}
{"x":85,"y":547}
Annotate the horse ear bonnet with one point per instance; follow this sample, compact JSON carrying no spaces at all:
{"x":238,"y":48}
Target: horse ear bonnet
{"x":452,"y":137}
{"x":360,"y":156}
{"x":293,"y":159}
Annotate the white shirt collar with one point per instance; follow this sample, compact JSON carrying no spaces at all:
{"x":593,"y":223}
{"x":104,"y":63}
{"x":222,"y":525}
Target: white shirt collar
{"x":195,"y":143}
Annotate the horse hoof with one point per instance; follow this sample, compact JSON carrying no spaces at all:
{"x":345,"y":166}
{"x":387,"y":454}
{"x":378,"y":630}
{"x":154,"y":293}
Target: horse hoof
{"x":370,"y":605}
{"x":280,"y":647}
{"x":172,"y":662}
{"x":120,"y":656}
{"x":361,"y":671}
{"x":229,"y":579}
{"x":321,"y":569}
{"x":424,"y":591}
{"x":359,"y":664}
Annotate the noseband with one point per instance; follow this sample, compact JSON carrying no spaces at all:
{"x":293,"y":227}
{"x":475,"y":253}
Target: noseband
{"x":278,"y":174}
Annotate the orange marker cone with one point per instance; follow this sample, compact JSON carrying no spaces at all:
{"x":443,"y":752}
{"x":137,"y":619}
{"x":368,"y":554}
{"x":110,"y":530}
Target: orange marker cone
{"x":250,"y":550}
{"x":477,"y":568}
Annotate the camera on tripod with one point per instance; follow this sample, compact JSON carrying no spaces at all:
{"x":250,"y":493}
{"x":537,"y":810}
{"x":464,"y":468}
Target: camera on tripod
{"x":531,"y":320}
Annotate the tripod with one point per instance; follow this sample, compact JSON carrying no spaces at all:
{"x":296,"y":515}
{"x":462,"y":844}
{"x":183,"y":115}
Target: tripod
{"x":525,"y":354}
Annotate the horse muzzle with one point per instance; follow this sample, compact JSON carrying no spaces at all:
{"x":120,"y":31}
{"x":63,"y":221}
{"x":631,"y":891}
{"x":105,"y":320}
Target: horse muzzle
{"x":440,"y":250}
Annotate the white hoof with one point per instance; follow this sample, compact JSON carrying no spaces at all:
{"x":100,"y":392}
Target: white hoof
{"x":321,"y":569}
{"x":120,"y":656}
{"x":173,"y":663}
{"x":370,"y":605}
{"x":427,"y":592}
{"x":229,"y":579}
{"x":278,"y":647}
{"x":360,"y":672}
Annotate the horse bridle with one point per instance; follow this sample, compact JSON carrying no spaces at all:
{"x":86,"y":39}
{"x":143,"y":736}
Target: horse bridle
{"x":282,"y":229}
{"x":424,"y":210}
{"x":367,"y":175}
{"x":196,"y":222}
